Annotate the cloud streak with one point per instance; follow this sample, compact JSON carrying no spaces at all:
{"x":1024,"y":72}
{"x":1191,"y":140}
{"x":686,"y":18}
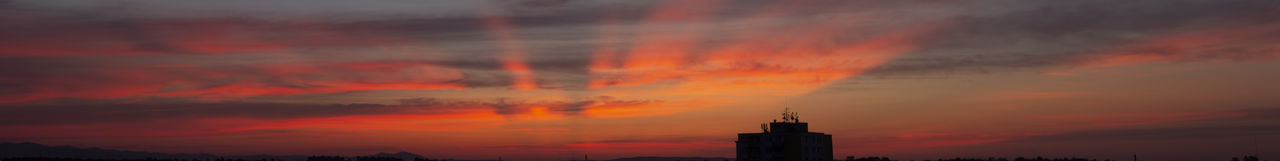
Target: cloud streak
{"x":559,"y":72}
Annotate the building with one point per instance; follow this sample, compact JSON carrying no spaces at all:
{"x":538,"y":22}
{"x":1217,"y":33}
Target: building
{"x":789,"y":140}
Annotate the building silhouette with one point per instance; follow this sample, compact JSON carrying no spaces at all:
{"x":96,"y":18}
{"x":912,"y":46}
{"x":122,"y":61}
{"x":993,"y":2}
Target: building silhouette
{"x":789,"y":140}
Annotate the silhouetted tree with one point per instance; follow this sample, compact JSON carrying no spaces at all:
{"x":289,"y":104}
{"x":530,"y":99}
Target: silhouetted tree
{"x":326,"y":158}
{"x":378,"y":158}
{"x":851,"y":158}
{"x":1247,"y":158}
{"x":1016,"y":159}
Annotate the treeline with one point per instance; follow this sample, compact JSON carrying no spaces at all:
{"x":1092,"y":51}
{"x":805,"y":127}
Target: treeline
{"x":312,"y":158}
{"x":368,"y":158}
{"x":1246,"y":158}
{"x":146,"y":159}
{"x":851,"y":158}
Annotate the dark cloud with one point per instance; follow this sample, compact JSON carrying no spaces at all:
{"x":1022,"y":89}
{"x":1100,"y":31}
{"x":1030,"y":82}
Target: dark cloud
{"x":579,"y":145}
{"x":38,"y":35}
{"x":540,"y":3}
{"x":5,"y":3}
{"x":668,"y":139}
{"x":1205,"y":139}
{"x":106,"y":36}
{"x":1011,"y":35}
{"x":100,"y":112}
{"x":1255,"y":122}
{"x":507,"y":106}
{"x":87,"y":78}
{"x":1160,"y":134}
{"x":567,"y":73}
{"x":560,"y":42}
{"x":31,"y":33}
{"x":1057,"y":33}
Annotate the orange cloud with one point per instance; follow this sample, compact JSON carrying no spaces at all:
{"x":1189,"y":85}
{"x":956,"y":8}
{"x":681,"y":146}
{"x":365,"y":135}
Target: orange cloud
{"x":774,"y":64}
{"x":656,"y":49}
{"x":607,"y":53}
{"x":513,"y":53}
{"x":608,"y":108}
{"x":1217,"y":43}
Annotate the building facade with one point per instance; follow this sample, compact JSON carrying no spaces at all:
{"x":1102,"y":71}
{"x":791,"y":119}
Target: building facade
{"x":789,"y":140}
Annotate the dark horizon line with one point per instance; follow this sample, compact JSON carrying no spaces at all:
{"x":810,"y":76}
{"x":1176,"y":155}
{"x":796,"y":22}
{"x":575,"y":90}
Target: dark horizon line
{"x":124,"y":155}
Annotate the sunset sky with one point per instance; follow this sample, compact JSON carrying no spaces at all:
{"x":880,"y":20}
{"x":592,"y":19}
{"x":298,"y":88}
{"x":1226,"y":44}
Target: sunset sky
{"x":556,"y":79}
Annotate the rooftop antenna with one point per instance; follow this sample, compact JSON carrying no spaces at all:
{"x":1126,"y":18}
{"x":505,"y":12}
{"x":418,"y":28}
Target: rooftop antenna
{"x":787,"y":115}
{"x":794,"y":116}
{"x":786,"y":107}
{"x":765,"y":127}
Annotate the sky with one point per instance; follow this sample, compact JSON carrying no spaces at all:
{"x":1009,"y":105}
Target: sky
{"x":558,"y":79}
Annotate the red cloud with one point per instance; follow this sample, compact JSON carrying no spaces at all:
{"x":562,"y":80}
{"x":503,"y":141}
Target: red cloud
{"x":1137,"y":118}
{"x":230,"y":82}
{"x":1226,"y":42}
{"x":200,"y":119}
{"x":909,"y":141}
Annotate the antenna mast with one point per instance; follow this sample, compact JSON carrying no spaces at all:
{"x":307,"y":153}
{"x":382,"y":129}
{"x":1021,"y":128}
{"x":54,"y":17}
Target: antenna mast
{"x":787,"y":115}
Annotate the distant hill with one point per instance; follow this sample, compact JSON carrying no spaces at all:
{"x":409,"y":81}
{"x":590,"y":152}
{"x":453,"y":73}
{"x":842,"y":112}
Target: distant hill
{"x":13,"y":150}
{"x":673,"y":159}
{"x":19,"y":150}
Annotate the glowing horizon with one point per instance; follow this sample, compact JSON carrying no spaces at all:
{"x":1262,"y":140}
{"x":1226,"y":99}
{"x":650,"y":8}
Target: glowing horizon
{"x":543,"y":79}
